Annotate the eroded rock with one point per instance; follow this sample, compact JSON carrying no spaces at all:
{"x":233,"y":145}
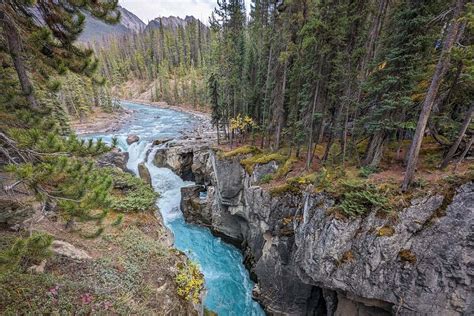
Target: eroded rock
{"x":144,"y":173}
{"x":63,"y":248}
{"x":132,"y":138}
{"x":307,"y":261}
{"x":114,"y":158}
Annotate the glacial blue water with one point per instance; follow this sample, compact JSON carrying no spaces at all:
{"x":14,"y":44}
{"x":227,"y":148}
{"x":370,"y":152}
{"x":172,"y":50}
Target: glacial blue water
{"x":227,"y":281}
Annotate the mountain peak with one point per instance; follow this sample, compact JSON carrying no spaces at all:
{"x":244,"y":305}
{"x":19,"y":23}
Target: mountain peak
{"x":172,"y":22}
{"x":96,"y":30}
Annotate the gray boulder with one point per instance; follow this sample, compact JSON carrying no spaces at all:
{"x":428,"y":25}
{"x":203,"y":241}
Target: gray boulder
{"x":132,"y":139}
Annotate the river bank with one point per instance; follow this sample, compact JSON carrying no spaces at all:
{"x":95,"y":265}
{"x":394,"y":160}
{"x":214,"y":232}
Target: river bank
{"x":100,"y":121}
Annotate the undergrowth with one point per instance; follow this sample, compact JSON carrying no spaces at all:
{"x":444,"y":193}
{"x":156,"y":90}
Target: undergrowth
{"x":250,"y":162}
{"x":357,"y":197}
{"x":190,"y":282}
{"x":134,"y":194}
{"x":244,"y":150}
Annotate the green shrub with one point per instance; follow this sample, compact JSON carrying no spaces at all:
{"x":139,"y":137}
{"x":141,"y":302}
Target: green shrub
{"x":283,"y":189}
{"x":266,"y":178}
{"x":366,"y":171}
{"x":118,"y":220}
{"x":26,"y":251}
{"x":137,"y":196}
{"x":358,"y":198}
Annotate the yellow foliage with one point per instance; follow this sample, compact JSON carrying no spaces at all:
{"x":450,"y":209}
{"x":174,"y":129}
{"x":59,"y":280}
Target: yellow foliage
{"x":417,"y":97}
{"x":385,"y":231}
{"x":244,"y":150}
{"x":250,"y":162}
{"x":241,"y":123}
{"x":407,"y":256}
{"x":286,"y":167}
{"x":347,"y":257}
{"x":190,"y":282}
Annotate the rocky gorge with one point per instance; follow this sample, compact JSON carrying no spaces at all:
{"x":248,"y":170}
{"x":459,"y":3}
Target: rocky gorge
{"x":307,"y":261}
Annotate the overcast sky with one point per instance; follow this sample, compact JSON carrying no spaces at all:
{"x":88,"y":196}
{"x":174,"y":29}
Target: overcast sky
{"x":147,"y":10}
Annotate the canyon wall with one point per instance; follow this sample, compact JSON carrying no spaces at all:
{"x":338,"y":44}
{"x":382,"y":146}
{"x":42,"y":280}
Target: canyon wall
{"x":306,"y":261}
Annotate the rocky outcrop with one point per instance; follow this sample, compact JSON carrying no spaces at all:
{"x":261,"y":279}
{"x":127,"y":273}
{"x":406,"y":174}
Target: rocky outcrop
{"x":144,"y":173}
{"x":189,"y":159}
{"x":113,"y":158}
{"x":66,"y":249}
{"x":132,"y":139}
{"x":309,"y":262}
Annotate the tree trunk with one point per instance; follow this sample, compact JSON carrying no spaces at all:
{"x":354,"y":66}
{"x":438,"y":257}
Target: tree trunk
{"x":464,"y":153}
{"x":14,"y":48}
{"x":455,"y":146}
{"x":374,"y":151}
{"x":440,"y":70}
{"x":310,"y":153}
{"x":280,"y":111}
{"x":218,"y":134}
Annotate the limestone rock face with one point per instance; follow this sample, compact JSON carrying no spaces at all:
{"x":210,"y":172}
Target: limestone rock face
{"x":114,"y":158}
{"x":132,"y":139}
{"x":189,"y":159}
{"x":194,"y":206}
{"x":306,"y":261}
{"x":144,"y":173}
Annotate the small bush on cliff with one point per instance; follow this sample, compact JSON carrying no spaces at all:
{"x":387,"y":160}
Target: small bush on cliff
{"x":190,"y":282}
{"x":266,"y":178}
{"x":285,"y":168}
{"x":359,"y":197}
{"x":132,"y":194}
{"x":283,"y":189}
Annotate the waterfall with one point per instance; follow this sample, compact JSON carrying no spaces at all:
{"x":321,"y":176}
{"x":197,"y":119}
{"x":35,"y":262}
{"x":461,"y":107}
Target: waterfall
{"x":228,"y":285}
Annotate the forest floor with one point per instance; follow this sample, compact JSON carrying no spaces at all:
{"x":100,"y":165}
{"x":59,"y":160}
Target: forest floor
{"x":292,"y":172}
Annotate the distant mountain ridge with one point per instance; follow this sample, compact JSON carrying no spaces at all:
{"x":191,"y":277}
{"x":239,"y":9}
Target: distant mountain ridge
{"x":96,"y":30}
{"x":172,"y":22}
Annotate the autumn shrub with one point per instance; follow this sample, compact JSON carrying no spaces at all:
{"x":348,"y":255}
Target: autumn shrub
{"x":243,"y":150}
{"x":190,"y":282}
